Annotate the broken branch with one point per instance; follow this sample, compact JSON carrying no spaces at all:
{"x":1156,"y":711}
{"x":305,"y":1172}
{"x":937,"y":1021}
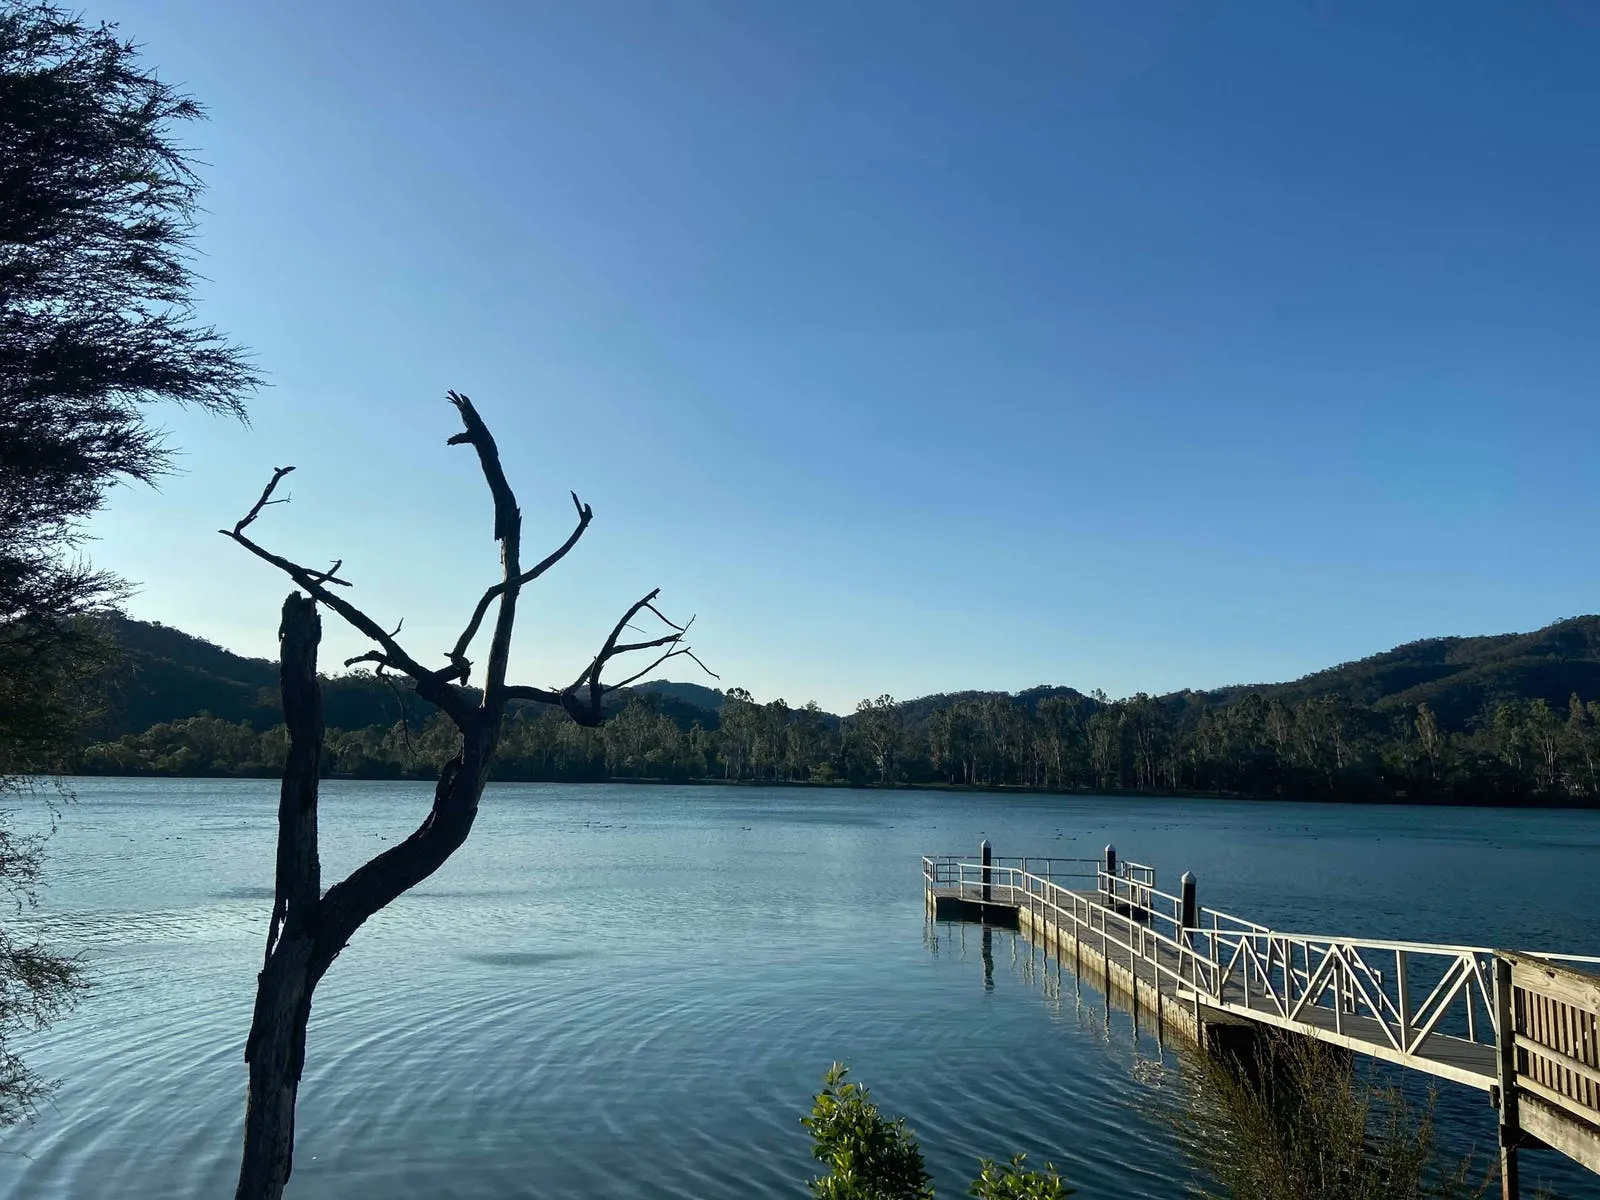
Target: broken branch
{"x":371,"y":656}
{"x":266,"y":499}
{"x":477,"y":435}
{"x":508,"y":532}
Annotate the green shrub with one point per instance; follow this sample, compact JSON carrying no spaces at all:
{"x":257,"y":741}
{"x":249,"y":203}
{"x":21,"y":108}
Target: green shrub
{"x":1009,"y":1181}
{"x":870,"y":1157}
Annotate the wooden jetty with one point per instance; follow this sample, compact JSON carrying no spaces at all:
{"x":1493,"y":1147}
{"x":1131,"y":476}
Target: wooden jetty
{"x":1523,"y":1027}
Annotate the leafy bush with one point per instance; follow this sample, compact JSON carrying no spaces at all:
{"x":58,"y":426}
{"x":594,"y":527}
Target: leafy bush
{"x":1009,"y":1181}
{"x":870,"y":1157}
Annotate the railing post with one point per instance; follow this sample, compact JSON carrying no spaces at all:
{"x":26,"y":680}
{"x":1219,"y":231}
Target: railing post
{"x":1216,"y":959}
{"x":1403,"y":991}
{"x":1466,"y":994}
{"x":983,"y":857}
{"x":1338,"y":991}
{"x":1505,"y":1026}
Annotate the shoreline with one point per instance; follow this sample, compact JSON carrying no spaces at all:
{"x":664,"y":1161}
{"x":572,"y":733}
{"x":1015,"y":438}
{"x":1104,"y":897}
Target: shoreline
{"x":1543,"y":804}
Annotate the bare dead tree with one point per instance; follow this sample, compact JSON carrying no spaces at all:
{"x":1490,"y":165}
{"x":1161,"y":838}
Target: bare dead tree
{"x":308,"y":927}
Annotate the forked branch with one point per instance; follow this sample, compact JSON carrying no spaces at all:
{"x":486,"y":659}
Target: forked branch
{"x":266,"y":498}
{"x":458,"y":653}
{"x":433,"y":686}
{"x":582,"y":699}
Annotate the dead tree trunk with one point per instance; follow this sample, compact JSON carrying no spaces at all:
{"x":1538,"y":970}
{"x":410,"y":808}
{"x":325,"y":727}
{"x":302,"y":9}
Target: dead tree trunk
{"x":309,"y":928}
{"x":276,"y":1049}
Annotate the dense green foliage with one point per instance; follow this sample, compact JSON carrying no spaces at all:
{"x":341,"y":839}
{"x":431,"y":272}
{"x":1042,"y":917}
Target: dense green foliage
{"x":1013,"y":1181}
{"x":867,"y":1156}
{"x":97,"y":207}
{"x":164,"y":675}
{"x":1458,"y":677}
{"x":1356,"y":732}
{"x":870,"y":1157}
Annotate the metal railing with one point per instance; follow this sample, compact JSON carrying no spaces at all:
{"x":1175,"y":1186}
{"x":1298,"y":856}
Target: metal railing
{"x":1003,"y":876}
{"x":1401,"y":1000}
{"x":1524,"y":1026}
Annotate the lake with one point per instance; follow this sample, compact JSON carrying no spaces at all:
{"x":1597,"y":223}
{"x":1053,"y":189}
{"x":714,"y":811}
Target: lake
{"x":631,"y":991}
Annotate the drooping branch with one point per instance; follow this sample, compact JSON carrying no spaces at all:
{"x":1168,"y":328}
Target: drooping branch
{"x":660,"y":616}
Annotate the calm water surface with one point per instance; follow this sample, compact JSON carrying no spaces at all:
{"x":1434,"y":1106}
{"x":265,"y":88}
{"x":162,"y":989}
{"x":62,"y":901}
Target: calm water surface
{"x":633,"y":991}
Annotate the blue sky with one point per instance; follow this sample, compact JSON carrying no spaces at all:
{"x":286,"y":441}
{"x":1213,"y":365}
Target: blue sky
{"x":913,"y":346}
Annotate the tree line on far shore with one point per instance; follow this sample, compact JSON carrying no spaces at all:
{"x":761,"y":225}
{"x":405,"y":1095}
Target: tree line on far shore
{"x":1324,"y":747}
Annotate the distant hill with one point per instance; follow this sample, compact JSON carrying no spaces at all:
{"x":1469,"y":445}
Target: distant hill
{"x":166,"y":674}
{"x":694,"y":694}
{"x":924,"y":707}
{"x":1458,"y":677}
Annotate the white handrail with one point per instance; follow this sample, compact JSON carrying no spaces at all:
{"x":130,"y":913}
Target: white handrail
{"x":1221,"y":955}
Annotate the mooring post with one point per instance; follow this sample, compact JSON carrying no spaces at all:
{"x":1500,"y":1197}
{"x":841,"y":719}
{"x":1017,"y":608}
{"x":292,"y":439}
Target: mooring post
{"x":1188,"y":910}
{"x":1111,"y":871}
{"x":1505,"y":1028}
{"x":983,"y":856}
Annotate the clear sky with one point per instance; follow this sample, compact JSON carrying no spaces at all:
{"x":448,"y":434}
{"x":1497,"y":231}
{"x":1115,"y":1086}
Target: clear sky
{"x":914,"y":346}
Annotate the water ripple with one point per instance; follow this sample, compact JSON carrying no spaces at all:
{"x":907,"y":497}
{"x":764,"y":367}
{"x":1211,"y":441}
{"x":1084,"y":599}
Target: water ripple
{"x":633,"y":992}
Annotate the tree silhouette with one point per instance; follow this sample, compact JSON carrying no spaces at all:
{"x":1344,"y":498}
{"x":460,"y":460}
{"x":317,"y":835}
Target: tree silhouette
{"x":309,"y":927}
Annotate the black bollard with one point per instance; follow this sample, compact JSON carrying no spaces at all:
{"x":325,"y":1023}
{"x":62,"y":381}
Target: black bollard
{"x":1189,"y":911}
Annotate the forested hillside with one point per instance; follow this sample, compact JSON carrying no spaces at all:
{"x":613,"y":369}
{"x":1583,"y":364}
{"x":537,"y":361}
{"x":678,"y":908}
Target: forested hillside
{"x":1457,"y":677}
{"x":166,"y":675}
{"x":1507,"y":719}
